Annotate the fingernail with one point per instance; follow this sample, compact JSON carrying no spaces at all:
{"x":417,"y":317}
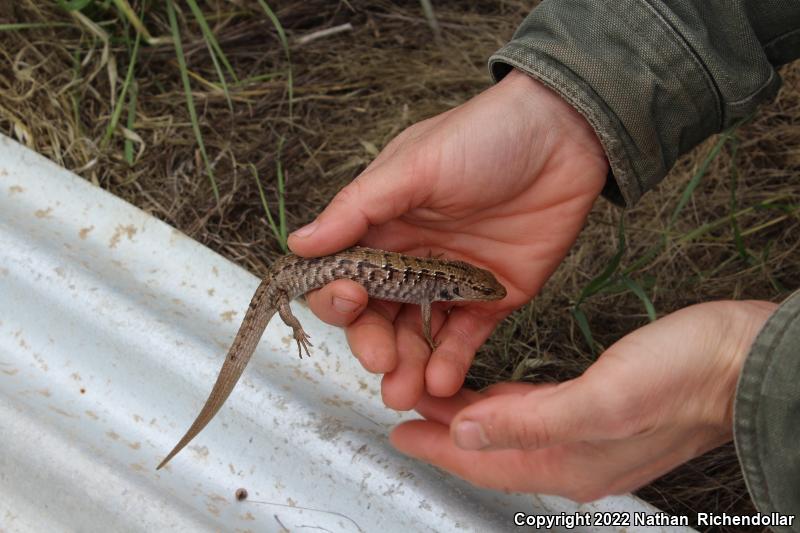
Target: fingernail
{"x":345,"y":306}
{"x":470,"y":436}
{"x":306,"y":230}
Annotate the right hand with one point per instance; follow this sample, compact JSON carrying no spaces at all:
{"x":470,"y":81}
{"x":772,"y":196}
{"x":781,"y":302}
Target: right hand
{"x":504,"y":181}
{"x":657,"y":398}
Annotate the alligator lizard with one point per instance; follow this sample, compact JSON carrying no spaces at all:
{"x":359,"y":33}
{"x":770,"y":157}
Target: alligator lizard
{"x":385,"y":275}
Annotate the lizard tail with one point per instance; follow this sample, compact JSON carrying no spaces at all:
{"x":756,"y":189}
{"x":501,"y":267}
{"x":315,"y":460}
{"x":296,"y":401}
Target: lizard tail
{"x":255,"y":322}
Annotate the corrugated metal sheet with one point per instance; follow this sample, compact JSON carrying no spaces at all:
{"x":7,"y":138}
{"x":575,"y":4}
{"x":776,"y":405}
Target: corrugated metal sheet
{"x":112,"y":330}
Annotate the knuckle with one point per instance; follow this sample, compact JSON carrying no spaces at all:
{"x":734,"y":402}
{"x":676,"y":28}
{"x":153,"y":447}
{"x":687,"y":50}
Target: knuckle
{"x":349,"y":194}
{"x":620,"y":413}
{"x":527,"y":437}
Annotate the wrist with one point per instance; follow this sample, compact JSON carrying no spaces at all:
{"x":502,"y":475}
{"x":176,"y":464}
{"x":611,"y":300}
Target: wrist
{"x":566,"y":126}
{"x":743,"y":321}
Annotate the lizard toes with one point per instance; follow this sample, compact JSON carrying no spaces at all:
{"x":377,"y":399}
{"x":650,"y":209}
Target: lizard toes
{"x":303,"y":343}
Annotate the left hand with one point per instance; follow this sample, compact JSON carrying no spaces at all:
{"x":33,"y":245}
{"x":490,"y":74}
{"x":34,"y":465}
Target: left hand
{"x":655,"y":399}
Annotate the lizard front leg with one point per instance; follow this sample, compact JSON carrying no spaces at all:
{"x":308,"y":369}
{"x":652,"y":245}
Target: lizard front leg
{"x":290,"y":320}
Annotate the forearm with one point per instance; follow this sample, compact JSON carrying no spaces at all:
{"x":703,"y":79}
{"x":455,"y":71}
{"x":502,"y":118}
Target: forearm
{"x":654,"y":79}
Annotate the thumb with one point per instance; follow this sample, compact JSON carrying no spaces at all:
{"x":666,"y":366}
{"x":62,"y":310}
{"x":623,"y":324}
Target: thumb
{"x":545,"y":416}
{"x":381,"y":193}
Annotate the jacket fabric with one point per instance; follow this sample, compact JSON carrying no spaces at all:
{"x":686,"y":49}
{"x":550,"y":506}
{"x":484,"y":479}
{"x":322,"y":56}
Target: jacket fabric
{"x":654,"y":78}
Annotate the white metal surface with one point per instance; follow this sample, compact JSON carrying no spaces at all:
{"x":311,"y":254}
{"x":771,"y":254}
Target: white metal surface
{"x":113,"y":326}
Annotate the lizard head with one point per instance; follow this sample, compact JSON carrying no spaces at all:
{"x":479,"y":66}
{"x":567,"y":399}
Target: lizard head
{"x":479,"y":285}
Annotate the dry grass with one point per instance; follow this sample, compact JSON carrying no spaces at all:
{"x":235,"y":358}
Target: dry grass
{"x":352,"y":92}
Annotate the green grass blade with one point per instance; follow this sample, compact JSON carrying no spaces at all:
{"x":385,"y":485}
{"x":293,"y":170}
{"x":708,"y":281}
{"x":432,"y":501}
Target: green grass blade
{"x":277,"y":23}
{"x":725,"y":137}
{"x":73,"y":5}
{"x":187,"y":89}
{"x":211,"y":39}
{"x":214,"y":50}
{"x":221,"y":77}
{"x":285,"y":43}
{"x":695,"y":180}
{"x":112,"y":125}
{"x":265,"y":204}
{"x":597,"y":283}
{"x":583,"y":326}
{"x":127,"y":11}
{"x":637,"y":289}
{"x":132,"y":97}
{"x":15,"y":26}
{"x":281,"y":196}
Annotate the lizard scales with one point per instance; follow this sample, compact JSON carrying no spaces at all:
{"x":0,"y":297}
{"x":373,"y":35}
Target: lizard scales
{"x":385,"y":275}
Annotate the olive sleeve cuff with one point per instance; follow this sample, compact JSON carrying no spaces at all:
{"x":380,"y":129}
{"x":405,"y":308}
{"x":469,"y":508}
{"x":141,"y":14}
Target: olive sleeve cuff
{"x":766,"y":420}
{"x":652,"y":78}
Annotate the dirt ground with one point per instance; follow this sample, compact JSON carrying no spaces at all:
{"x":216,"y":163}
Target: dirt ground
{"x":322,"y":110}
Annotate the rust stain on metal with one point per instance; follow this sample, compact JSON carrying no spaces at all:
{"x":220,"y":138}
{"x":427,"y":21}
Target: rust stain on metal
{"x":84,"y":232}
{"x":121,"y":231}
{"x":227,"y":316}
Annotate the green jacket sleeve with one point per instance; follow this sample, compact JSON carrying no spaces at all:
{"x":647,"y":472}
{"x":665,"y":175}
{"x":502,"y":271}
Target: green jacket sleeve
{"x":655,"y":77}
{"x":766,"y":419}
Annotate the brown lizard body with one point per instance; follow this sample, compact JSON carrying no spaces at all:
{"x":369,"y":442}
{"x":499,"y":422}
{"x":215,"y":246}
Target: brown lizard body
{"x":385,"y":275}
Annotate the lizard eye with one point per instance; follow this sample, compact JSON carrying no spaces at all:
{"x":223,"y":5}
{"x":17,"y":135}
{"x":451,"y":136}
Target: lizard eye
{"x":444,"y":295}
{"x":456,"y":291}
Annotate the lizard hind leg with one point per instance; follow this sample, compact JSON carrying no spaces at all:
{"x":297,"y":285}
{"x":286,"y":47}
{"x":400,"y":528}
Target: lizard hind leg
{"x":426,"y":325}
{"x":300,"y":336}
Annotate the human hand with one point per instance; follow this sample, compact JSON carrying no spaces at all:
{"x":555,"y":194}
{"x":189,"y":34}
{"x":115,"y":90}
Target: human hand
{"x":655,"y":399}
{"x":504,"y":181}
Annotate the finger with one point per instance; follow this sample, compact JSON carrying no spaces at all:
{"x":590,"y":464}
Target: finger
{"x":462,"y":334}
{"x":573,"y":411}
{"x":338,"y":303}
{"x":402,"y":388}
{"x":442,"y":410}
{"x":502,"y":470}
{"x":401,"y":235}
{"x":514,"y":387}
{"x":372,"y":337}
{"x":384,"y":192}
